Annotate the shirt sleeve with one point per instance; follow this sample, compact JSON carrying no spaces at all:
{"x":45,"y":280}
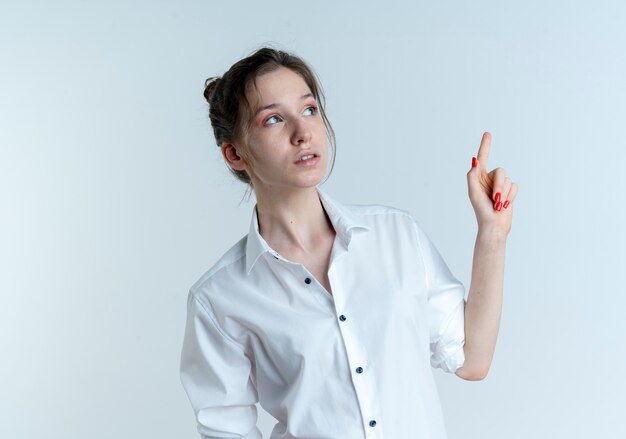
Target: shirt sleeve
{"x":216,"y":374}
{"x":446,"y":308}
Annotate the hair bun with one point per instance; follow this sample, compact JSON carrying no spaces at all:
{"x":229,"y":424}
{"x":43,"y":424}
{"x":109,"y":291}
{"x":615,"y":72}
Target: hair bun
{"x":209,"y":87}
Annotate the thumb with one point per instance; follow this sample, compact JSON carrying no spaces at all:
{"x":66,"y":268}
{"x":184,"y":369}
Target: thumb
{"x":474,"y":170}
{"x":473,"y":180}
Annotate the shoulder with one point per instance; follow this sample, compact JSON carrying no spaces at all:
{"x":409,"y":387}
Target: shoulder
{"x":227,"y":268}
{"x":379,"y":213}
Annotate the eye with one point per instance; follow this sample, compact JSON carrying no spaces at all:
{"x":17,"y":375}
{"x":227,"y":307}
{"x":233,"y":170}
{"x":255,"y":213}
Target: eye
{"x":272,"y":120}
{"x":311,"y":110}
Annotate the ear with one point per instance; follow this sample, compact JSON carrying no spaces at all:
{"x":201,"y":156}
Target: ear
{"x":229,"y":151}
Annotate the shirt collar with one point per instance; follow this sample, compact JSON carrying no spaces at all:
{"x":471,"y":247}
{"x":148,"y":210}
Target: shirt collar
{"x":342,"y":219}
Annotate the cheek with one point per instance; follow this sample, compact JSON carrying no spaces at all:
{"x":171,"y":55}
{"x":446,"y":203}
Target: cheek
{"x":260,"y":153}
{"x":243,"y":151}
{"x":320,"y":129}
{"x":320,"y":126}
{"x":250,"y":154}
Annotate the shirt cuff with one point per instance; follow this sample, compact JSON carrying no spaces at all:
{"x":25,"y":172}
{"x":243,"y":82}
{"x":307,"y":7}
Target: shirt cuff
{"x":452,"y":357}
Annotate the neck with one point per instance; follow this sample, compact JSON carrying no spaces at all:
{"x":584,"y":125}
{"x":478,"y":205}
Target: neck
{"x":292,"y":221}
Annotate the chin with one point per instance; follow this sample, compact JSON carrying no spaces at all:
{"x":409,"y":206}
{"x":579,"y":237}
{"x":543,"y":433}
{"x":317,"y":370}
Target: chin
{"x":313,"y":180}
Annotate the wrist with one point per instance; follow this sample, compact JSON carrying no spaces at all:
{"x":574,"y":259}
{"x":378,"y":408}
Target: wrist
{"x":493,"y":233}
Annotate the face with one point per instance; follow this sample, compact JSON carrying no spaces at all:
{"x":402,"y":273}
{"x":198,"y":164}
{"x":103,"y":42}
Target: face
{"x":285,"y":127}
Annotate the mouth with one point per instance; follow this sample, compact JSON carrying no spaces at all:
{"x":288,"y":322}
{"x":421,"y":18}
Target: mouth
{"x":307,"y":159}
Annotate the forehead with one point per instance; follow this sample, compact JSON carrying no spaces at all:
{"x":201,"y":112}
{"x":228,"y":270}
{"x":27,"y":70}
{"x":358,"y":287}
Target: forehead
{"x":278,"y":86}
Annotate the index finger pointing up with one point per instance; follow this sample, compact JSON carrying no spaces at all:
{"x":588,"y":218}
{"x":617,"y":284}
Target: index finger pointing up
{"x":483,"y":151}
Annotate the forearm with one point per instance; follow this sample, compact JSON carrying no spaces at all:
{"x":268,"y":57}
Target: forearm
{"x":484,"y":303}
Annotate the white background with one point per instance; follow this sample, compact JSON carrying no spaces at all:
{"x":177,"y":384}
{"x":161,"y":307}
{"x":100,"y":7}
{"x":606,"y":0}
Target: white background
{"x":114,"y":198}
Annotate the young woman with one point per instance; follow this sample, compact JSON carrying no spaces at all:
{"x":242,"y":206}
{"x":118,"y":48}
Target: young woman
{"x":330,"y":315}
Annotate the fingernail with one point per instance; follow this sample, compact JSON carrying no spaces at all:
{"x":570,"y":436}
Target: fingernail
{"x":506,"y":204}
{"x":474,"y":162}
{"x":499,"y":206}
{"x":497,"y":196}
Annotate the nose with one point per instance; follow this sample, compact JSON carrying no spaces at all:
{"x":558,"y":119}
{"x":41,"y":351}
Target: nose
{"x":301,"y":133}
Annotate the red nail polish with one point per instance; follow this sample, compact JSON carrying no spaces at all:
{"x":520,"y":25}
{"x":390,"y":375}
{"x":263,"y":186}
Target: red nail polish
{"x":474,"y":162}
{"x":497,"y":196}
{"x":506,"y":204}
{"x":499,"y":206}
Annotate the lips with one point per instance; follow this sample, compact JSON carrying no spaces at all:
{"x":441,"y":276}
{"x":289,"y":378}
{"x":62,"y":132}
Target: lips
{"x":310,"y":162}
{"x":305,"y":154}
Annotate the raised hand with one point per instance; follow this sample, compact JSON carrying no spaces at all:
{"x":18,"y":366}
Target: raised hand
{"x":492,"y":194}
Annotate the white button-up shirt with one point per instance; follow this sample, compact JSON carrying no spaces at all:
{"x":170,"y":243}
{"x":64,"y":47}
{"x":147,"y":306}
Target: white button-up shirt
{"x":354,"y":364}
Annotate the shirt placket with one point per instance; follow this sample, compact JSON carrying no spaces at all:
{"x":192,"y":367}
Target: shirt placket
{"x":363,"y":377}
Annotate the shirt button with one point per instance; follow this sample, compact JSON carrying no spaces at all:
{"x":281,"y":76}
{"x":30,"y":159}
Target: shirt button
{"x":372,"y":423}
{"x":359,"y":369}
{"x":307,"y":280}
{"x":342,"y":318}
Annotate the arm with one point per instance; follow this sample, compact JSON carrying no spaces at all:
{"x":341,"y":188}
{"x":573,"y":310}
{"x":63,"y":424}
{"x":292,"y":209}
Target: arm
{"x":488,"y":194}
{"x":217,"y":376}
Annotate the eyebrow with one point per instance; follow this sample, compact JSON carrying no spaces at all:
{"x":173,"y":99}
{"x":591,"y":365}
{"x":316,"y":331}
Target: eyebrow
{"x":270,"y":106}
